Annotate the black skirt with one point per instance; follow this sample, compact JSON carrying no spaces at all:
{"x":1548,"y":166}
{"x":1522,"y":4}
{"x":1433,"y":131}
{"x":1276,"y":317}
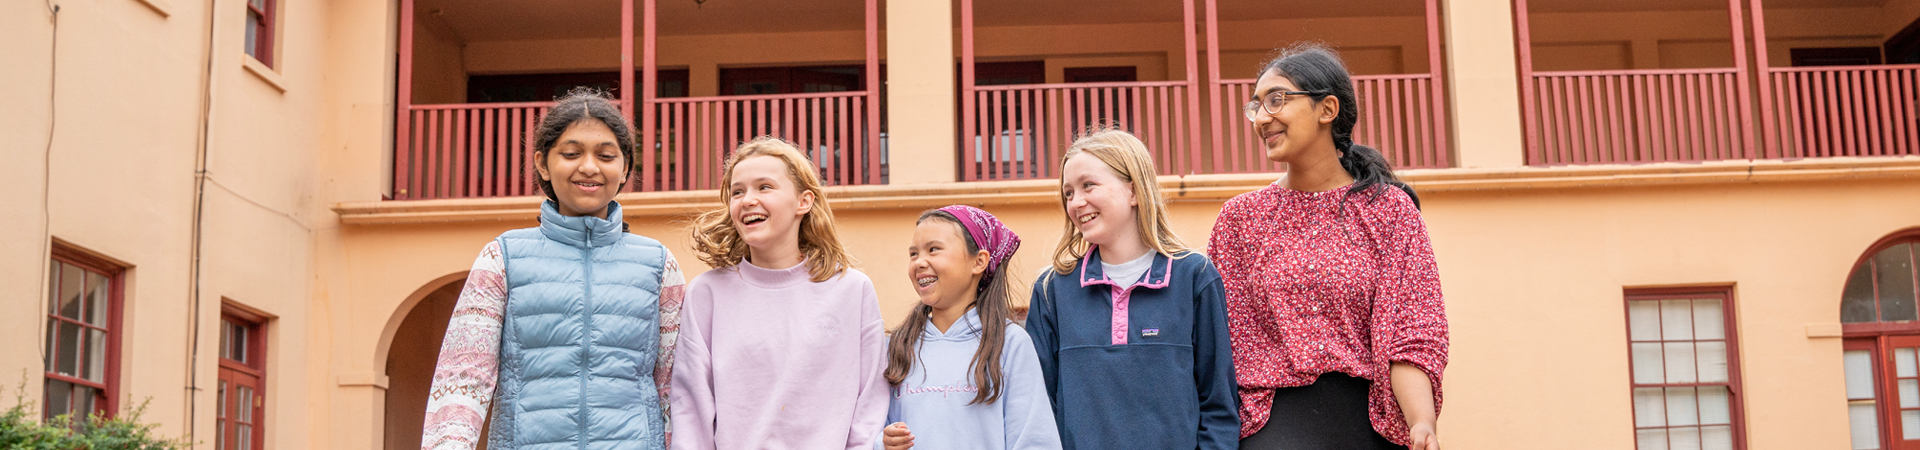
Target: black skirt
{"x":1330,"y":414}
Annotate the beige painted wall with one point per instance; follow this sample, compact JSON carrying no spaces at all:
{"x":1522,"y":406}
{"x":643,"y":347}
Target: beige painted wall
{"x":121,"y":183}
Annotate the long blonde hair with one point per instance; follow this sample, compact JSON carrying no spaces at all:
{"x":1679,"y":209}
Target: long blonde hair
{"x":1129,"y":158}
{"x":720,"y":245}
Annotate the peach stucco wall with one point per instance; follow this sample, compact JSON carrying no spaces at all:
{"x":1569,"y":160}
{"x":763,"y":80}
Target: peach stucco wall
{"x":1534,"y":276}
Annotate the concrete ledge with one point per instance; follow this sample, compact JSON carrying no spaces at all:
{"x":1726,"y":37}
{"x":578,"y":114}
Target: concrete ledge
{"x":362,"y":379}
{"x":1177,"y":188}
{"x":1824,"y":330}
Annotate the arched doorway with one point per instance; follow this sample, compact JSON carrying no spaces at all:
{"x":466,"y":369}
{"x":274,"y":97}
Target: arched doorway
{"x":1881,"y":321}
{"x":415,"y":347}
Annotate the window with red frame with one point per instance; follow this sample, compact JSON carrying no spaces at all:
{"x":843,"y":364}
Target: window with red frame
{"x":241,"y":392}
{"x":1881,"y":353}
{"x":83,"y":334}
{"x":260,"y":20}
{"x":1685,"y":370}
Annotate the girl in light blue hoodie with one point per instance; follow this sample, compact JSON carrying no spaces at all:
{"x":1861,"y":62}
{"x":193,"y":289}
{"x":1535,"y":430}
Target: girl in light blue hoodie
{"x":964,"y":376}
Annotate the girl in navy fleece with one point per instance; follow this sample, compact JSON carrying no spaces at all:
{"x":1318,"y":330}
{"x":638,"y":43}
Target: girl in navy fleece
{"x":1130,"y":325}
{"x":963,"y":375}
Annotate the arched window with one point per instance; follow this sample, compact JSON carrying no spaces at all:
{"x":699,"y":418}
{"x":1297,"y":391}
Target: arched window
{"x":1882,"y":348}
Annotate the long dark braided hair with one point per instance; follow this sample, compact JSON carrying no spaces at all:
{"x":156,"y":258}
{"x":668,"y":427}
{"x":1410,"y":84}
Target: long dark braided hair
{"x":1317,"y":69}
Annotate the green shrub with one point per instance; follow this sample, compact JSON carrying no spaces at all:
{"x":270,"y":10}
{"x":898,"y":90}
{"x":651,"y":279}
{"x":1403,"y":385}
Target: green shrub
{"x":21,"y":429}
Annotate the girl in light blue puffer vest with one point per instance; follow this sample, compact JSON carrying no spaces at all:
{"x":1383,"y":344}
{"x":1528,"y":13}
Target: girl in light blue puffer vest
{"x":566,"y":329}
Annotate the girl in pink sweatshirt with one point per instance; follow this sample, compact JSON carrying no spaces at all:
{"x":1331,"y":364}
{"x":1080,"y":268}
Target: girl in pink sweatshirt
{"x":781,"y":344}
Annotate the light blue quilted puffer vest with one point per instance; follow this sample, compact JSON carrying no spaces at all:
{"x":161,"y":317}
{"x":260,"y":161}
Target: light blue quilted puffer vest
{"x":580,"y":337}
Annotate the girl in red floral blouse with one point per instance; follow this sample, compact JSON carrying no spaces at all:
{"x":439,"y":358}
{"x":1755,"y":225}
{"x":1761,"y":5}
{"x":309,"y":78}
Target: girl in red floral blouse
{"x":1333,"y":298}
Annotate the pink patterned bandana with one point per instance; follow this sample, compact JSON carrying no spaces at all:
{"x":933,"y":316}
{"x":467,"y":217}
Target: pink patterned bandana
{"x":989,"y":234}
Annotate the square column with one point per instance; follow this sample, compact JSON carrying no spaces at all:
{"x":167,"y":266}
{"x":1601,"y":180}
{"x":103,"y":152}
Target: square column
{"x":1483,"y":82}
{"x":920,"y":92}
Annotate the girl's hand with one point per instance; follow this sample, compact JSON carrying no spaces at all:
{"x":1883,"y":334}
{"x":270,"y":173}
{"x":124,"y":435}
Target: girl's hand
{"x":897,"y":437}
{"x":1423,"y":436}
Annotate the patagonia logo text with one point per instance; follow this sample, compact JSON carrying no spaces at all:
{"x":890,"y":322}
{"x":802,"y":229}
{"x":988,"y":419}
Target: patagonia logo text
{"x":1150,"y":332}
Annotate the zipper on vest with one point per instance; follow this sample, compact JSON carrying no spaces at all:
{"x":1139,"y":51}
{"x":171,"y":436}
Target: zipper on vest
{"x":586,"y":328}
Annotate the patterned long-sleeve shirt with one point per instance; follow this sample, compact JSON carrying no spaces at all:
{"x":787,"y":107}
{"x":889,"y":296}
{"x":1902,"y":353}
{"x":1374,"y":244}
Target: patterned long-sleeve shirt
{"x":1322,"y":282}
{"x":469,"y":364}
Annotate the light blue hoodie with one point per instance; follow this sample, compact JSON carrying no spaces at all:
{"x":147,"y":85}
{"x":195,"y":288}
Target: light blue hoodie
{"x":932,"y":400}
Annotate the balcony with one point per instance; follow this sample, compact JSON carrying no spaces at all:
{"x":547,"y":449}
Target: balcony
{"x":475,"y":79}
{"x":1038,"y":75}
{"x":1629,"y":83}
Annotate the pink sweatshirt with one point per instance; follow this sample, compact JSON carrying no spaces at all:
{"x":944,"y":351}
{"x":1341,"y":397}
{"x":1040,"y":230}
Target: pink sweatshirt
{"x":770,"y":360}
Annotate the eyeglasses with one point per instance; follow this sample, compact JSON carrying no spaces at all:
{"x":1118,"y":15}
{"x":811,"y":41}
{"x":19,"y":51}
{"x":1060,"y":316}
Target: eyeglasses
{"x":1271,"y":103}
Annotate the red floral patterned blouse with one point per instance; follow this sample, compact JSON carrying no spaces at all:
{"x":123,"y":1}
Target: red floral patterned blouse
{"x":1321,"y":282}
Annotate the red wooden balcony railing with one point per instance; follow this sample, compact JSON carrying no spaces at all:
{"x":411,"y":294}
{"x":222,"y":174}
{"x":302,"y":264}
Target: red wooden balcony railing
{"x":482,"y":150}
{"x":696,"y":135}
{"x":1843,"y":111}
{"x":466,"y":150}
{"x":1020,"y":131}
{"x":1636,"y":116}
{"x":1399,"y":115}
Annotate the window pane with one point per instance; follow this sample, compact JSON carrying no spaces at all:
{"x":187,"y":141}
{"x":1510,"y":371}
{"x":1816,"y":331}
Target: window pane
{"x":258,"y":4}
{"x":97,"y":290}
{"x":1643,"y":318}
{"x":1649,"y":407}
{"x":53,"y":287}
{"x":244,"y":438}
{"x":1713,"y":361}
{"x":1903,"y":362}
{"x":243,"y":405}
{"x":1654,"y":439}
{"x":226,"y":340}
{"x":1863,"y":424}
{"x":1856,"y":304}
{"x":59,"y":398}
{"x":240,"y":339}
{"x":1681,"y":407}
{"x":224,"y":409}
{"x":1686,"y":438}
{"x":1910,"y":393}
{"x":220,"y":435}
{"x":83,"y":401}
{"x":1676,"y":320}
{"x":1647,"y":365}
{"x":253,"y":23}
{"x":96,"y":356}
{"x":1716,"y":438}
{"x":1910,"y":424}
{"x":1895,"y":268}
{"x":1859,"y":368}
{"x":1680,"y":362}
{"x":1708,"y":322}
{"x":1715,"y":407}
{"x":68,"y":362}
{"x":53,"y":331}
{"x":71,"y":279}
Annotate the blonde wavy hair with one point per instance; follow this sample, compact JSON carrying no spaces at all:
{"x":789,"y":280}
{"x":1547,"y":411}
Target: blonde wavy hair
{"x":720,"y":245}
{"x":1129,"y":158}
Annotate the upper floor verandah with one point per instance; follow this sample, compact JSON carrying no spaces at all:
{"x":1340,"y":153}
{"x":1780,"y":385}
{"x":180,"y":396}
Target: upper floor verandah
{"x":1600,"y":83}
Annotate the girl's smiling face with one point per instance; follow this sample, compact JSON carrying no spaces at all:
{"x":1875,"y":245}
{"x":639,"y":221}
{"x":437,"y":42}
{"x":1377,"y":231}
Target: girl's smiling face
{"x":764,"y":203}
{"x":941,"y":269}
{"x":585,"y":168}
{"x":1099,"y":203}
{"x":1291,"y":129}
